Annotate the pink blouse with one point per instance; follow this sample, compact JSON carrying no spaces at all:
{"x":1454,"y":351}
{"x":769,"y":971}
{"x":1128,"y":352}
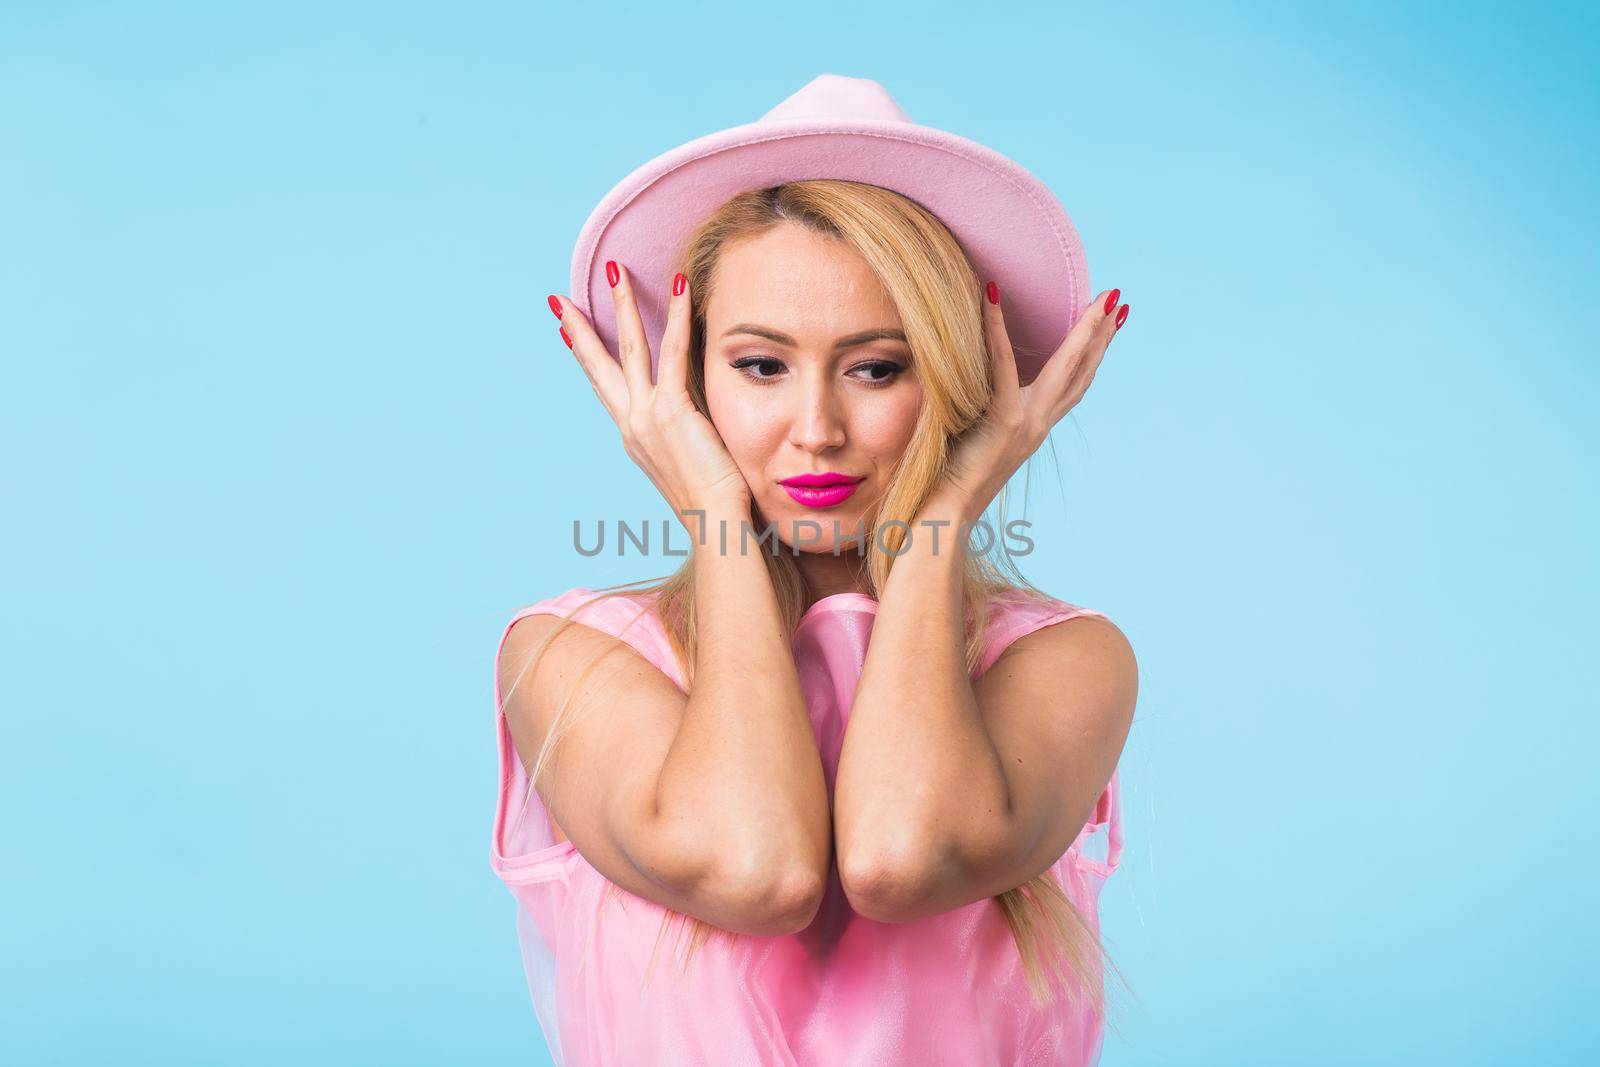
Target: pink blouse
{"x":845,"y":991}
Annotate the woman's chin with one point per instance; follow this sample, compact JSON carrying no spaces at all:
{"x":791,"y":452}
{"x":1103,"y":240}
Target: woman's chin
{"x":839,"y":529}
{"x":819,"y":530}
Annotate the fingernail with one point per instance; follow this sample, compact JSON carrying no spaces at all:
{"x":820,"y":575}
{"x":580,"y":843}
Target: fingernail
{"x":1122,"y":316}
{"x":555,"y":305}
{"x":565,"y":338}
{"x":994,"y":293}
{"x":678,"y":282}
{"x":1111,"y":300}
{"x":612,"y":274}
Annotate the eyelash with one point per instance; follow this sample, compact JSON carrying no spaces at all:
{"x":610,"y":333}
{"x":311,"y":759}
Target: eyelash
{"x":742,"y":366}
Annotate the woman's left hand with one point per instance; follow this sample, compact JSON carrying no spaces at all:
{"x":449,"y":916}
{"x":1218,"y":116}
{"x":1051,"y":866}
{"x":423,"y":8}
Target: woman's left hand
{"x":1019,"y":417}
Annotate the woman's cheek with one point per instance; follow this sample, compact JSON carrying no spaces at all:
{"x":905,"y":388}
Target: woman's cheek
{"x":884,"y":428}
{"x":739,"y":437}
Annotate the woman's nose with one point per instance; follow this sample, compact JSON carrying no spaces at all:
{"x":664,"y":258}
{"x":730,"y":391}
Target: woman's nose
{"x":817,"y":425}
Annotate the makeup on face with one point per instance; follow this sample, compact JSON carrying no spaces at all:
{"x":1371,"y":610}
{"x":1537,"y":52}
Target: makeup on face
{"x":823,"y":490}
{"x":810,"y":379}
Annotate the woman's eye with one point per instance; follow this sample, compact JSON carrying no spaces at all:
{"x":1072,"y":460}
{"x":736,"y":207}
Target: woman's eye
{"x":880,"y":372}
{"x":745,"y":365}
{"x":767,"y":369}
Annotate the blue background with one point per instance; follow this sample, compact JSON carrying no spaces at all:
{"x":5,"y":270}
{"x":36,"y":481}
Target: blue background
{"x":288,"y":434}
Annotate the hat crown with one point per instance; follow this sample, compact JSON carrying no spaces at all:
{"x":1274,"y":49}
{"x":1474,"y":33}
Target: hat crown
{"x":834,"y":97}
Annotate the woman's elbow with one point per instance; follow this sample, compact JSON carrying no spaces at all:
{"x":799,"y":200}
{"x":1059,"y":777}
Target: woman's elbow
{"x":774,"y":900}
{"x":882,"y":889}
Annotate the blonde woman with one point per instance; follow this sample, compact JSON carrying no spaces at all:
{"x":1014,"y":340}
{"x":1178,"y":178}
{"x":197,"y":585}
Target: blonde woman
{"x":845,"y":762}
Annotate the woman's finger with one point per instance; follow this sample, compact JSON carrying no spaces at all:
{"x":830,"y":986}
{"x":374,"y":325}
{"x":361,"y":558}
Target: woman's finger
{"x":1002,"y":360}
{"x":1099,"y":342}
{"x":633,"y":347}
{"x":673,"y":367}
{"x":597,"y":364}
{"x":1064,"y":363}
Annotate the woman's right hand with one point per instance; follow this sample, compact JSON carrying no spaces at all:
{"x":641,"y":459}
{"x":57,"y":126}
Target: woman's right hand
{"x":663,"y":432}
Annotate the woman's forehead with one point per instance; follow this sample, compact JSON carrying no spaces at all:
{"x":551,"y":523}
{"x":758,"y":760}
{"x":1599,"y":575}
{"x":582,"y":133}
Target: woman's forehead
{"x":811,"y":290}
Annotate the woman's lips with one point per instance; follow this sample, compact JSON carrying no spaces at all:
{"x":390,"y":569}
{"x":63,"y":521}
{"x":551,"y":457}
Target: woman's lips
{"x":821,"y":496}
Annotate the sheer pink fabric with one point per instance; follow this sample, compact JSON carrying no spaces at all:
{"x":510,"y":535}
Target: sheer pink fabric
{"x":846,"y":990}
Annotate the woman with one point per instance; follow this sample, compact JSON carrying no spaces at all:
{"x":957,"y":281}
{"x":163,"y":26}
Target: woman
{"x":858,"y":759}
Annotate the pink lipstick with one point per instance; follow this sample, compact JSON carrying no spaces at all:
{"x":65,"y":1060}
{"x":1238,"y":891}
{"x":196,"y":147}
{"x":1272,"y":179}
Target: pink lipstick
{"x":820,"y":490}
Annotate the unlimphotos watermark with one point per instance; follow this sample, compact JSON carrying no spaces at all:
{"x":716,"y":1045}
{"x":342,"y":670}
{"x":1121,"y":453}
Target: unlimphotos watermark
{"x":808,"y":535}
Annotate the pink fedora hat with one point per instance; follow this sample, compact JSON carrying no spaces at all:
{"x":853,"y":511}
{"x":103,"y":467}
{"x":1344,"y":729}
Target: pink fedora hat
{"x":1010,"y":224}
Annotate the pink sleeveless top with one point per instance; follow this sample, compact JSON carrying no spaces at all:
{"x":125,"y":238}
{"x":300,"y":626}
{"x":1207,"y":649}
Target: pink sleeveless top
{"x":845,"y":991}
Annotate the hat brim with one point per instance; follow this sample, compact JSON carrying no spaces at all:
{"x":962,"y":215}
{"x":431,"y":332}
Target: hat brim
{"x":1012,"y":227}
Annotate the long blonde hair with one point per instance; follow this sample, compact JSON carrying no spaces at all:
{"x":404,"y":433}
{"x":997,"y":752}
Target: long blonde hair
{"x":933,"y":286}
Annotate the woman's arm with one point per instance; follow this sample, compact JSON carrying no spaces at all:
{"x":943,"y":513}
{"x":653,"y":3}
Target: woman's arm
{"x":949,"y":791}
{"x":744,"y":769}
{"x":718,"y":797}
{"x":712,"y":803}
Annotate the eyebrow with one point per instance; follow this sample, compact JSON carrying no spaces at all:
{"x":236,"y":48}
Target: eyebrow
{"x":882,"y":333}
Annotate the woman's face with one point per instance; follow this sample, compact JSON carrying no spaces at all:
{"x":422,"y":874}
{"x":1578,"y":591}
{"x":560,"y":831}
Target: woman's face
{"x":808,"y":372}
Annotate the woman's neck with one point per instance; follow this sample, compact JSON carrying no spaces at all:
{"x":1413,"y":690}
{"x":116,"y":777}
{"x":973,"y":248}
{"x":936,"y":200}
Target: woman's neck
{"x":826,"y":574}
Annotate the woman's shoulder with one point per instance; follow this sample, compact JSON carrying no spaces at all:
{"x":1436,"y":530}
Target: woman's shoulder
{"x":1016,"y":612}
{"x":583,"y":604}
{"x":1017,"y":602}
{"x":622,"y":615}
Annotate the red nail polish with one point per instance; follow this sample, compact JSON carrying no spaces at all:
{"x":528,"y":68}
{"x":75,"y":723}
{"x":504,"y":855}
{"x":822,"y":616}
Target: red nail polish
{"x":555,"y":305}
{"x":678,"y":282}
{"x":994,"y":293}
{"x":565,"y":338}
{"x":612,"y":274}
{"x":1122,"y":316}
{"x":1111,"y":300}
